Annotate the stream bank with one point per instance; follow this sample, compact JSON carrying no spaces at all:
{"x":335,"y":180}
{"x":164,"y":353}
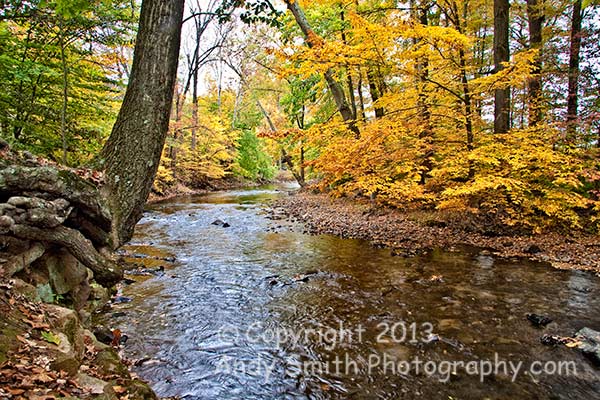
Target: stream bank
{"x":409,"y":234}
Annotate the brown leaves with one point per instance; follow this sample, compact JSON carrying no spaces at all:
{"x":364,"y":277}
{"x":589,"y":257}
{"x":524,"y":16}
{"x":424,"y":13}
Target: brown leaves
{"x":28,"y":381}
{"x":407,"y":232}
{"x":94,"y":176}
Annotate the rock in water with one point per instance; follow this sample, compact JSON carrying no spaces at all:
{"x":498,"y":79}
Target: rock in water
{"x":551,"y":340}
{"x":538,"y":320}
{"x":589,"y":344}
{"x":220,"y":223}
{"x":103,"y":334}
{"x":121,"y":300}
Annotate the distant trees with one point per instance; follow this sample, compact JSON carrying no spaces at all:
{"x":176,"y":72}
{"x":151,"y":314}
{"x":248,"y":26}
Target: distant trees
{"x":83,"y":213}
{"x":501,"y":57}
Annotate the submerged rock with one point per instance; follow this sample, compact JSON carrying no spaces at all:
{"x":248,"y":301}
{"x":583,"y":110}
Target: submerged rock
{"x":121,"y":299}
{"x":220,"y":223}
{"x":538,"y":320}
{"x":103,"y":334}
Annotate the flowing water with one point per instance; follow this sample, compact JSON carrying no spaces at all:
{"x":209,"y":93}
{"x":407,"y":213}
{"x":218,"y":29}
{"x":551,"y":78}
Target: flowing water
{"x":260,"y":310}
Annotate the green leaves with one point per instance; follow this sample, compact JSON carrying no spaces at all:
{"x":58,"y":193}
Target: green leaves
{"x":252,"y":161}
{"x":50,"y":337}
{"x":67,"y":9}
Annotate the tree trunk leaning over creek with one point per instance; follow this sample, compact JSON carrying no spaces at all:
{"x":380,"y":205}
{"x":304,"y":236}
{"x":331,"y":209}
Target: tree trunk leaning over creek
{"x":132,"y":152}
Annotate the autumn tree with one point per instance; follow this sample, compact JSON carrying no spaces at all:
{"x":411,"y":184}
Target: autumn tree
{"x":574,"y":51}
{"x":58,"y":67}
{"x":535,"y":22}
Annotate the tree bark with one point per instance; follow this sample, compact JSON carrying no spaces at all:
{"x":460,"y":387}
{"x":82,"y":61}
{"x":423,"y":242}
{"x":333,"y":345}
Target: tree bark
{"x":374,"y":92}
{"x":501,"y":55}
{"x":194,"y":107}
{"x":132,"y":153}
{"x":361,"y":100}
{"x":535,"y":19}
{"x":336,"y":90}
{"x":573,"y":96}
{"x":348,"y":74}
{"x":426,"y":133}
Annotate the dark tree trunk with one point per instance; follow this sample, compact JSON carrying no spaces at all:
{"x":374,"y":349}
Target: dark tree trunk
{"x":194,"y":108}
{"x":426,"y":133}
{"x":573,"y":97}
{"x":132,"y":152}
{"x":374,"y":91}
{"x":464,"y":79}
{"x":336,"y":90}
{"x":535,"y":18}
{"x":501,"y":55}
{"x":348,"y":74}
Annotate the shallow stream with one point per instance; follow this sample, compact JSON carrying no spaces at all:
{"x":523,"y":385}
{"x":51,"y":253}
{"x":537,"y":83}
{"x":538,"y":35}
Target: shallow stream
{"x":261,"y":310}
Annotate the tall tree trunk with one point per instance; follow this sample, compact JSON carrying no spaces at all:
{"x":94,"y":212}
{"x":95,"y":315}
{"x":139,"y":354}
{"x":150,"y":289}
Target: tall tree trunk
{"x":535,"y":19}
{"x":464,"y":79}
{"x":132,"y":152}
{"x":361,"y":100}
{"x":336,"y":90}
{"x":285,"y":157}
{"x":468,"y":109}
{"x":302,"y":174}
{"x":573,"y":97}
{"x":501,"y":55}
{"x":348,"y":74}
{"x":65,"y":92}
{"x":194,"y":107}
{"x":426,"y":133}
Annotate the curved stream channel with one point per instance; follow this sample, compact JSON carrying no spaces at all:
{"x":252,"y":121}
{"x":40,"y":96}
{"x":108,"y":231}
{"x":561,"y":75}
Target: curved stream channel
{"x":260,"y":310}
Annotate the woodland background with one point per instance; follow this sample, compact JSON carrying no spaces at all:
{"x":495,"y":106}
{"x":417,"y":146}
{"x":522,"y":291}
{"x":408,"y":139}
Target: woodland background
{"x":489,"y":108}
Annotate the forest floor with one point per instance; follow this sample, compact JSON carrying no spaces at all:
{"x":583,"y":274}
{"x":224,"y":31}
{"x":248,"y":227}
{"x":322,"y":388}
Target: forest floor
{"x":412,"y":233}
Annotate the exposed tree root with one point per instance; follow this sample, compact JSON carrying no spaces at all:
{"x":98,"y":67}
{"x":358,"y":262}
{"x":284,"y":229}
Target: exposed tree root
{"x":55,"y":208}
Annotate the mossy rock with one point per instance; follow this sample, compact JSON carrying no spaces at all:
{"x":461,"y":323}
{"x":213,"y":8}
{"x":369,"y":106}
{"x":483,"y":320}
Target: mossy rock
{"x":24,"y":288}
{"x":66,"y":320}
{"x":139,"y":390}
{"x":67,"y":363}
{"x":109,"y":363}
